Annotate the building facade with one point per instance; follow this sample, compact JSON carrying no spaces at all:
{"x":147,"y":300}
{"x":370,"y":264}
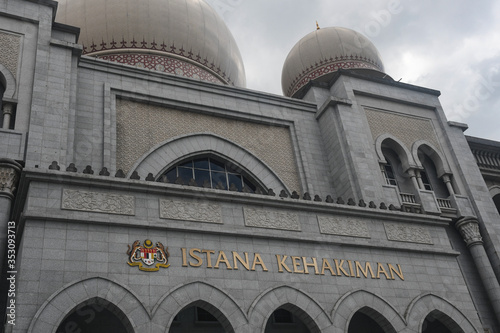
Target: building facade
{"x":144,"y":189}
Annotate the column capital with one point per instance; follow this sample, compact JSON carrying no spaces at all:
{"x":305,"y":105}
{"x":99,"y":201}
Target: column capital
{"x":469,"y":229}
{"x":9,"y":175}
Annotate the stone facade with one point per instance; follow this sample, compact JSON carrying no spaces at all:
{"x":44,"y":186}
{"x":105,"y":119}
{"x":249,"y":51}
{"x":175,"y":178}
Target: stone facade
{"x":324,"y":237}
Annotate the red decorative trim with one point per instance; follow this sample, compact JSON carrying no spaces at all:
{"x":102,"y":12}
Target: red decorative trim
{"x":171,"y":49}
{"x":327,"y":66}
{"x":163,"y":64}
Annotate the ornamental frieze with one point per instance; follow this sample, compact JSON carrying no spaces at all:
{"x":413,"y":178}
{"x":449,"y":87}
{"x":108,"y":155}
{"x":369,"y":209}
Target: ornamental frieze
{"x":340,"y":226}
{"x":409,"y":234}
{"x":271,"y":219}
{"x":98,"y":202}
{"x":190,"y":211}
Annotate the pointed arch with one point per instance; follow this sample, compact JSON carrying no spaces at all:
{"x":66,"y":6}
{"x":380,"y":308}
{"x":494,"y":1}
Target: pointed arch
{"x":203,"y":295}
{"x":57,"y":307}
{"x":370,"y":304}
{"x":9,"y":82}
{"x":407,"y":160}
{"x":297,"y":302}
{"x":430,"y":304}
{"x":433,"y":153}
{"x":166,"y":154}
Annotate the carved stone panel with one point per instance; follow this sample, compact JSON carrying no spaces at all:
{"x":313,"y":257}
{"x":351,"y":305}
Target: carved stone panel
{"x":271,"y":219}
{"x":342,"y":226}
{"x":9,"y":52}
{"x":98,"y":202}
{"x":190,"y":211}
{"x":409,"y":234}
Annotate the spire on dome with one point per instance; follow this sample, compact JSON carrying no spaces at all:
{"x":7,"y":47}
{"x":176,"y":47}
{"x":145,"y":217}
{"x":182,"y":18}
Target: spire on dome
{"x":317,"y":25}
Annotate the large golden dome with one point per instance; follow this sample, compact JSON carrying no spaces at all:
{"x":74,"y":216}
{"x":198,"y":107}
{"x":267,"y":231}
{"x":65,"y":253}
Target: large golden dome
{"x":325,"y":51}
{"x":183,"y":37}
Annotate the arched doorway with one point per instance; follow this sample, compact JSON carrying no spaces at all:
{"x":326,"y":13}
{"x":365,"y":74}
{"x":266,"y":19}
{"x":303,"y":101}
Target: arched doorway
{"x":290,"y":319}
{"x":96,"y":316}
{"x":200,"y":317}
{"x":438,"y":322}
{"x":367,"y":320}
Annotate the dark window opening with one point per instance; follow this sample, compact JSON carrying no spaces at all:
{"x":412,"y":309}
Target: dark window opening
{"x":203,"y":315}
{"x":282,"y":316}
{"x":362,"y":323}
{"x":98,"y":317}
{"x":426,"y":181}
{"x":210,"y":172}
{"x":390,"y":177}
{"x":496,"y":200}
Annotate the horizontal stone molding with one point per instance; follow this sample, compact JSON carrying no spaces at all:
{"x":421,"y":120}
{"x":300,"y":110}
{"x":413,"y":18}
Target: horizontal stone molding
{"x":98,"y":202}
{"x":271,"y":219}
{"x":343,"y":226}
{"x":409,"y":234}
{"x":190,"y":211}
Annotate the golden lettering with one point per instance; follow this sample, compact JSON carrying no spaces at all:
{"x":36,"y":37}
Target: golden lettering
{"x":398,"y":272}
{"x":340,"y":268}
{"x":281,"y":264}
{"x":184,"y":259}
{"x":209,"y":258}
{"x":351,"y":270}
{"x":257,"y":260}
{"x":368,"y":268}
{"x":222,"y":259}
{"x":381,"y":269}
{"x":326,"y":265}
{"x":236,"y":258}
{"x":296,"y":263}
{"x":194,"y":256}
{"x":313,"y":264}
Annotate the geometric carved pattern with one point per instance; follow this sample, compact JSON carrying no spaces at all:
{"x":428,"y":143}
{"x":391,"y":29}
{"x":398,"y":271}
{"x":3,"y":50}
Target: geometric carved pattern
{"x":124,"y":48}
{"x":190,"y":211}
{"x":409,"y":234}
{"x":271,"y":219}
{"x":271,"y":144}
{"x":9,"y":52}
{"x":163,"y":64}
{"x":469,"y":229}
{"x":334,"y":225}
{"x":407,"y":129}
{"x":328,"y":66}
{"x":8,"y":179}
{"x":98,"y":202}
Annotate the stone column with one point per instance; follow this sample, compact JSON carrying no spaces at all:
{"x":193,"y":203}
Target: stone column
{"x":9,"y":175}
{"x":419,"y":180}
{"x":7,"y":114}
{"x":469,"y":229}
{"x":413,"y":177}
{"x":446,"y":179}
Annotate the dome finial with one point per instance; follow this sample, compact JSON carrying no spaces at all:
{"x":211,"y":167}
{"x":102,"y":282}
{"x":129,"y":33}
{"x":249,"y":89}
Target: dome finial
{"x":317,"y":25}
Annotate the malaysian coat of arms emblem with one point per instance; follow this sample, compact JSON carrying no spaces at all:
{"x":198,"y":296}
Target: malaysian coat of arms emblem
{"x":149,"y":258}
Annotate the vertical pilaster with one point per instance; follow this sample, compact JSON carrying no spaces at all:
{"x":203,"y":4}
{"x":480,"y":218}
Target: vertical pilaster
{"x":9,"y":175}
{"x":469,"y":229}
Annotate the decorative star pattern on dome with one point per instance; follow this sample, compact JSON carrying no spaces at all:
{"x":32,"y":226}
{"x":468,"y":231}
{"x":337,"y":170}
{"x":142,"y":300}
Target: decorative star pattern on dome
{"x":163,"y":64}
{"x":159,"y":61}
{"x":330,"y":65}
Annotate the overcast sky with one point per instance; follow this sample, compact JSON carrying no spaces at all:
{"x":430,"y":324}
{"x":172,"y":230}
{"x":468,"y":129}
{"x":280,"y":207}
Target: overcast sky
{"x":450,"y":46}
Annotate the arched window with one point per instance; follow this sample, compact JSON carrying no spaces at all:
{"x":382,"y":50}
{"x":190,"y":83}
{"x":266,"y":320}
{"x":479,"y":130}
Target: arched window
{"x":438,"y":322}
{"x":290,"y":319}
{"x":201,"y":317}
{"x":211,"y":172}
{"x":430,"y":178}
{"x":96,"y":316}
{"x":393,"y":171}
{"x":367,"y":320}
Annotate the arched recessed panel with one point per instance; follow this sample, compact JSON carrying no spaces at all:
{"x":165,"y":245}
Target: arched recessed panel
{"x":429,"y":175}
{"x":391,"y":142}
{"x":433,"y":153}
{"x":96,"y":316}
{"x":8,"y":81}
{"x":167,"y":154}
